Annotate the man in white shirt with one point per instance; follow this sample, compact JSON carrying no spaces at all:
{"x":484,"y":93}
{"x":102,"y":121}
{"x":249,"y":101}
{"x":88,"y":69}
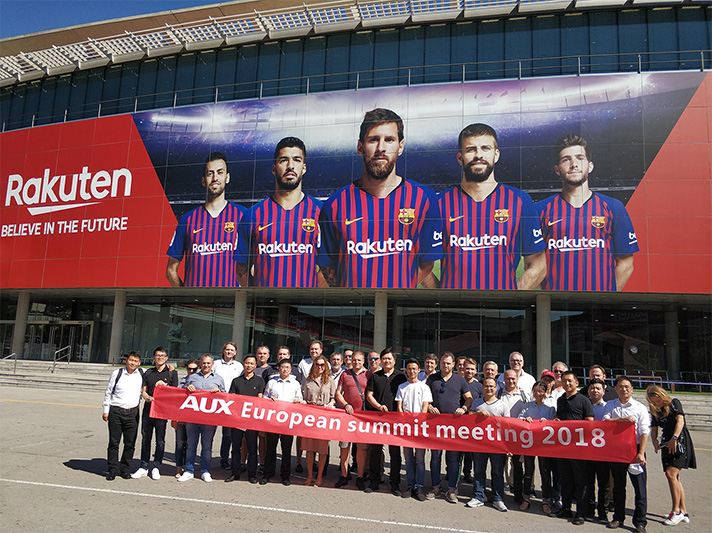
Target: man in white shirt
{"x":514,"y":398}
{"x":524,"y":380}
{"x":558,"y":370}
{"x":626,"y":409}
{"x":227,"y":368}
{"x":120,"y":410}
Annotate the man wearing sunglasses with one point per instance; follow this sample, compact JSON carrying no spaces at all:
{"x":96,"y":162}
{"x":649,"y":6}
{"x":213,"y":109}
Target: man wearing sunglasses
{"x":451,"y":395}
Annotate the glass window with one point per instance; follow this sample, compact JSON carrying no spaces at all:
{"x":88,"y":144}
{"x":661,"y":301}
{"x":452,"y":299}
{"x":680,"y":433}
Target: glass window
{"x":518,"y":46}
{"x":205,"y":77}
{"x":185,"y":79}
{"x":314,"y":62}
{"x":603,"y":33}
{"x":110,"y":94}
{"x":268,"y":68}
{"x":165,"y":81}
{"x":77,"y":97}
{"x":411,"y":54}
{"x":128,"y":88}
{"x":46,"y":106}
{"x":546,"y":42}
{"x":247,"y":86}
{"x":337,"y":61}
{"x":490,"y":49}
{"x":437,"y":52}
{"x":290,"y":68}
{"x":146,"y":84}
{"x":225,"y":68}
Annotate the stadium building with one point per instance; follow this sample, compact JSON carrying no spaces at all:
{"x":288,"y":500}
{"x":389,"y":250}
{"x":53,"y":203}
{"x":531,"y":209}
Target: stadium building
{"x":106,"y":128}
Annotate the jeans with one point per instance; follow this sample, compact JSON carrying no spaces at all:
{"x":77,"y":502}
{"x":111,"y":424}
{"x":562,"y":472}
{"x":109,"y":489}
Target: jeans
{"x":122,"y":423}
{"x":181,"y":440}
{"x":148,"y":425}
{"x":452,"y":462}
{"x":414,"y":467}
{"x":205,"y":433}
{"x":497,"y":473}
{"x":251,"y":441}
{"x":544,"y":472}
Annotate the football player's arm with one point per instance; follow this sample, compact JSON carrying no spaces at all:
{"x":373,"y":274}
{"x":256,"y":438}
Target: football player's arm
{"x":241,"y":270}
{"x":624,"y":269}
{"x":426,"y":276}
{"x":172,"y":272}
{"x":534,"y":271}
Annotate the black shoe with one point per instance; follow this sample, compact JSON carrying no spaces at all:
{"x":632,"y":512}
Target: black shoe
{"x":373,"y":487}
{"x":264,"y":481}
{"x":565,"y":513}
{"x":348,"y":476}
{"x":253,"y":480}
{"x":341,"y":482}
{"x":231,"y":478}
{"x":111,"y":476}
{"x":395,"y":490}
{"x":420,"y":495}
{"x":286,"y":482}
{"x":225,"y":465}
{"x":299,"y":468}
{"x":126,"y":475}
{"x":467,"y":478}
{"x":578,"y":521}
{"x":360,"y":484}
{"x":602,"y":517}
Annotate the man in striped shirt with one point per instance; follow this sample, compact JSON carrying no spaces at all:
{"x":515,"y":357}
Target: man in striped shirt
{"x":589,"y":236}
{"x":279,"y":239}
{"x":487,"y":226}
{"x":206,"y":237}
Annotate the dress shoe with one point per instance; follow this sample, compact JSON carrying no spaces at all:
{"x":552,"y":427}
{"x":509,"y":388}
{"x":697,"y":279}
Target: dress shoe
{"x":231,"y":478}
{"x":341,"y":482}
{"x":126,"y":475}
{"x":640,"y":529}
{"x":614,"y":524}
{"x":286,"y":482}
{"x":264,"y":481}
{"x":253,"y":480}
{"x":578,"y":521}
{"x":111,"y":477}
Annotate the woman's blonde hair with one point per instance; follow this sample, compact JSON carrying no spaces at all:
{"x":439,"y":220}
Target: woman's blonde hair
{"x":656,"y":390}
{"x":326,"y":376}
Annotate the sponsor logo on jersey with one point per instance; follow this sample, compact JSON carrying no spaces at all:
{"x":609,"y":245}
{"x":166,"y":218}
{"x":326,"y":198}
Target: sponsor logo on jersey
{"x":575,"y":245}
{"x":59,"y":193}
{"x":213,"y":248}
{"x":371,"y":249}
{"x":260,"y":228}
{"x":552,"y":222}
{"x":455,"y":219}
{"x":349,"y":222}
{"x":283,"y":249}
{"x":308,"y":224}
{"x":501,"y":215}
{"x":632,"y":238}
{"x":598,"y":221}
{"x":229,"y":227}
{"x":470,"y":243}
{"x":406,"y":216}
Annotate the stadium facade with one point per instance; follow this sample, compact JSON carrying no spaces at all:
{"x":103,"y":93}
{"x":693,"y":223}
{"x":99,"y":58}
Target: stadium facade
{"x":106,"y":127}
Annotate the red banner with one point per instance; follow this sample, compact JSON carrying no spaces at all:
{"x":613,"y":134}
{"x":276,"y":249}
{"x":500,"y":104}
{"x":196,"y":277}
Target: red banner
{"x":612,"y":441}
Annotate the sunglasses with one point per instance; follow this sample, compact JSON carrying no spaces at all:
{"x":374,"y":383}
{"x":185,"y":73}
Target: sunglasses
{"x":192,"y":368}
{"x":442,"y":387}
{"x":374,"y":358}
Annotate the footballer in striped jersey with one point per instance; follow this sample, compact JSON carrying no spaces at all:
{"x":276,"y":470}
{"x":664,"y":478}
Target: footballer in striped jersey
{"x":206,"y":237}
{"x":280,"y":236}
{"x":487,"y":226}
{"x":382,"y":230}
{"x":589,"y":236}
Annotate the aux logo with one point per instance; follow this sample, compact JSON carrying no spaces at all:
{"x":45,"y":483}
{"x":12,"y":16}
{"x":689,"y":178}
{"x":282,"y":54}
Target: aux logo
{"x":217,"y":406}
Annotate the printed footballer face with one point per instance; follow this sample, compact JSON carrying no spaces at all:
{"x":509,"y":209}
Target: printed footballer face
{"x":478,"y":157}
{"x":573,"y":167}
{"x":289,"y":168}
{"x":216,"y":178}
{"x":380,"y":150}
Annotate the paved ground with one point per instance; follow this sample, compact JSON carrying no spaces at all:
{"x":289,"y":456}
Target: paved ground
{"x":52,"y":462}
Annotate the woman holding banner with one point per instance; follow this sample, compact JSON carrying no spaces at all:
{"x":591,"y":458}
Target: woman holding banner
{"x":676,"y":446}
{"x":318,"y":389}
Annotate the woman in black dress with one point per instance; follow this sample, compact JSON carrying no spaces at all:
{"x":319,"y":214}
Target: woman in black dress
{"x":676,"y":446}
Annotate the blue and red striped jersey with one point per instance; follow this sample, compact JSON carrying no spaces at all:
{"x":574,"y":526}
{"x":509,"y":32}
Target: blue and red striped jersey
{"x":380,"y":242}
{"x":208,"y":244}
{"x":281,"y":245}
{"x":583,"y":242}
{"x":484,"y":241}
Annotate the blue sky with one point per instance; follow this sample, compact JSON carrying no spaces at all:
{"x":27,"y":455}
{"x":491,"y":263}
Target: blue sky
{"x":18,"y":17}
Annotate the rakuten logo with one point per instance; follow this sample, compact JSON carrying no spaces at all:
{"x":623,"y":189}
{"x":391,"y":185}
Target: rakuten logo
{"x":575,"y":245}
{"x":280,"y":249}
{"x":57,"y":193}
{"x":213,"y":248}
{"x":469,"y":243}
{"x":371,"y":249}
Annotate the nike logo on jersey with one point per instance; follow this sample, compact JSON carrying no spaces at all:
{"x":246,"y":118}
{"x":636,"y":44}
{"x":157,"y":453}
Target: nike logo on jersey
{"x":197,"y":230}
{"x":453,"y":219}
{"x":260,"y":228}
{"x":554,"y":222}
{"x":349,"y":222}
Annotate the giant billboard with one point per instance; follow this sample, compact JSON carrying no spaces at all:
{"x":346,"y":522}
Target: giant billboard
{"x":623,"y":202}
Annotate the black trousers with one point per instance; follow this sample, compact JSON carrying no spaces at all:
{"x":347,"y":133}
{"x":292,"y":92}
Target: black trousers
{"x":250,"y":437}
{"x":574,"y":483}
{"x":639,"y":483}
{"x":598,"y":472}
{"x":148,"y":426}
{"x":225,"y":445}
{"x":271,"y":455}
{"x":518,"y":478}
{"x":122,"y":423}
{"x":374,"y":466}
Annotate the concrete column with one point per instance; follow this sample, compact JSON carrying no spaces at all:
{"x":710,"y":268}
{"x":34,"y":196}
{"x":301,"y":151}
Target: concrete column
{"x":238,"y":322}
{"x":117,"y":327}
{"x":672,"y":343}
{"x":20,"y":329}
{"x":380,"y":321}
{"x":543,"y":333}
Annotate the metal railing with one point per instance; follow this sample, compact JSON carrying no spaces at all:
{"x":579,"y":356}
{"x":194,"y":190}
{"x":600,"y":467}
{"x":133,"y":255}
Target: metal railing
{"x":14,"y":356}
{"x":392,"y":77}
{"x":60,"y":357}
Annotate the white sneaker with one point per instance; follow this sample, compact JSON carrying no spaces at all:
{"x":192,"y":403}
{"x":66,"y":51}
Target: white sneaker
{"x":499,"y":505}
{"x":186,"y":476}
{"x":674,"y":519}
{"x":205,"y":476}
{"x":141,"y":472}
{"x":155,"y":474}
{"x":686,"y":519}
{"x":474,"y":502}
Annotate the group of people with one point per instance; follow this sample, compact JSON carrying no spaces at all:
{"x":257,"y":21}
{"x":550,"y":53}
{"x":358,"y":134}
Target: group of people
{"x":384,"y":230}
{"x":448,"y":385}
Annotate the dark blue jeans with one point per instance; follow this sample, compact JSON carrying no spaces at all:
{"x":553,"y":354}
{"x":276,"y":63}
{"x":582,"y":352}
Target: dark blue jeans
{"x":204,"y":434}
{"x":452,"y":467}
{"x":497,"y":473}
